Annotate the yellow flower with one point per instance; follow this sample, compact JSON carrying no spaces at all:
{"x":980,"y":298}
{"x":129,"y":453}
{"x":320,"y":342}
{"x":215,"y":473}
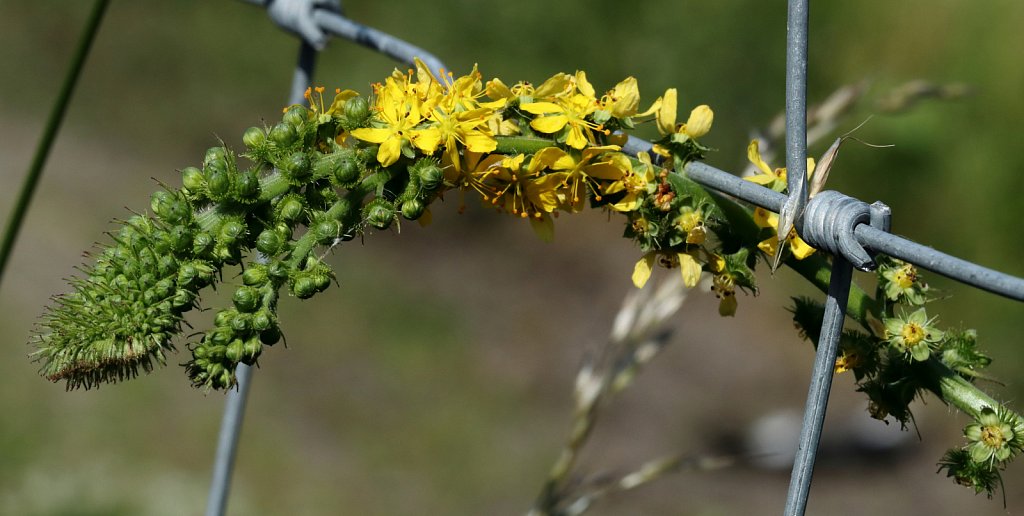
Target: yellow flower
{"x":522,"y":191}
{"x":623,"y":100}
{"x":572,"y":111}
{"x":579,"y":173}
{"x":399,"y":114}
{"x":688,"y":265}
{"x":724,"y":287}
{"x":766,"y":219}
{"x":692,"y":222}
{"x":664,"y":109}
{"x":635,"y":182}
{"x":774,"y":179}
{"x":464,"y":128}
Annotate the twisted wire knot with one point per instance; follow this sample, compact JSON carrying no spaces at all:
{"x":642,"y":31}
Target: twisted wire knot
{"x":828,"y":224}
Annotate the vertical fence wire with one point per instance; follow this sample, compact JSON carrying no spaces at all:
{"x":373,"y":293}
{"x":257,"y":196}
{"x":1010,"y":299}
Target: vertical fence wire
{"x":234,"y":406}
{"x":842,"y":270}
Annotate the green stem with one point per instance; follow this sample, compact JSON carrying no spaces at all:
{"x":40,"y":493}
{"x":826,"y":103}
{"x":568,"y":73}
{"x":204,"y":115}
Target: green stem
{"x":35,"y":170}
{"x":521,"y":144}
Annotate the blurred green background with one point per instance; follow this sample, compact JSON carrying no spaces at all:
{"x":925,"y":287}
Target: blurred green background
{"x":437,"y":379}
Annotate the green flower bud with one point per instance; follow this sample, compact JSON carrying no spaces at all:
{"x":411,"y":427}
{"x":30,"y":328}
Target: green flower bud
{"x":216,"y":157}
{"x":218,"y":183}
{"x":413,"y":209}
{"x":277,"y":270}
{"x":290,"y":209}
{"x":159,"y":199}
{"x":230,"y":231}
{"x":431,"y":177}
{"x":248,"y":185}
{"x":296,"y":116}
{"x":242,"y":323}
{"x":251,"y":351}
{"x":227,"y":254}
{"x":254,"y":137}
{"x":234,"y":351}
{"x":357,"y":109}
{"x":202,"y":243}
{"x":283,"y":134}
{"x":255,"y":275}
{"x":246,"y":299}
{"x":322,"y":281}
{"x":269,"y":242}
{"x":224,"y":317}
{"x":262,"y":320}
{"x":192,"y":179}
{"x":326,"y":231}
{"x":297,"y":166}
{"x":379,"y":213}
{"x":304,"y":287}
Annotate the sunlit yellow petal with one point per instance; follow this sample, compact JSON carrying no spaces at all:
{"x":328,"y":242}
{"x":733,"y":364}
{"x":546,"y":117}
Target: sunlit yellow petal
{"x":497,"y":90}
{"x":690,"y":269}
{"x":769,"y":245}
{"x":371,"y":134}
{"x":542,"y":108}
{"x":642,"y":270}
{"x":800,"y":248}
{"x":627,"y":98}
{"x":666,"y":115}
{"x":477,"y":141}
{"x":389,"y":151}
{"x":699,"y":122}
{"x":583,"y":85}
{"x":555,"y":85}
{"x":549,"y":124}
{"x":427,"y":139}
{"x":575,"y":139}
{"x":765,"y":219}
{"x":754,"y":155}
{"x":630,"y":202}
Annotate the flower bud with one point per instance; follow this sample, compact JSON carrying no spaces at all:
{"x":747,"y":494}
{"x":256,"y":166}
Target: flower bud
{"x":290,"y":209}
{"x":262,"y":320}
{"x":269,"y":242}
{"x":216,"y":157}
{"x":202,"y":243}
{"x":254,"y":137}
{"x":233,"y":352}
{"x":379,"y":213}
{"x":326,"y":231}
{"x":224,"y":317}
{"x":230,"y":231}
{"x":357,"y":109}
{"x":255,"y":275}
{"x":246,"y":299}
{"x":218,"y":183}
{"x":248,"y":185}
{"x":297,"y":165}
{"x":242,"y":323}
{"x":304,"y":287}
{"x":413,"y":209}
{"x":296,"y":116}
{"x":251,"y":350}
{"x":431,"y":176}
{"x":192,"y":179}
{"x":283,"y":134}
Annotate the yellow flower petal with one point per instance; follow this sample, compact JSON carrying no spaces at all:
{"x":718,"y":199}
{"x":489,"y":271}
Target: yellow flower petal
{"x":754,"y":155}
{"x":642,"y":270}
{"x":583,"y":85}
{"x":371,"y":134}
{"x":765,"y":219}
{"x":480,"y":142}
{"x":727,"y":306}
{"x":555,"y":85}
{"x":427,"y":140}
{"x":389,"y":151}
{"x":699,"y":122}
{"x":800,"y":248}
{"x":544,"y":227}
{"x":549,"y":124}
{"x":666,"y":115}
{"x":627,"y":98}
{"x":542,"y":108}
{"x":690,"y":269}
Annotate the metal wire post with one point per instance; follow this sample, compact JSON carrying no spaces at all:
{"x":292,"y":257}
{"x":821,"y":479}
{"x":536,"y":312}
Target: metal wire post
{"x":234,"y":407}
{"x":821,"y":385}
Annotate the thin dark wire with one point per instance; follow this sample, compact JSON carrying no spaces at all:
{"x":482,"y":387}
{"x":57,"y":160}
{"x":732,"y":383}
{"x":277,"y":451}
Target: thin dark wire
{"x":35,"y":170}
{"x":234,"y":407}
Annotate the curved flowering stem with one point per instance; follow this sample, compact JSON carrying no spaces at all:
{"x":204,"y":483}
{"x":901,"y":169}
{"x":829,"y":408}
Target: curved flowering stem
{"x":351,"y":164}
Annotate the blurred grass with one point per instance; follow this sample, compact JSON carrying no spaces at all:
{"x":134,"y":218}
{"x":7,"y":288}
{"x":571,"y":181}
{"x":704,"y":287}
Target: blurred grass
{"x":437,"y":379}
